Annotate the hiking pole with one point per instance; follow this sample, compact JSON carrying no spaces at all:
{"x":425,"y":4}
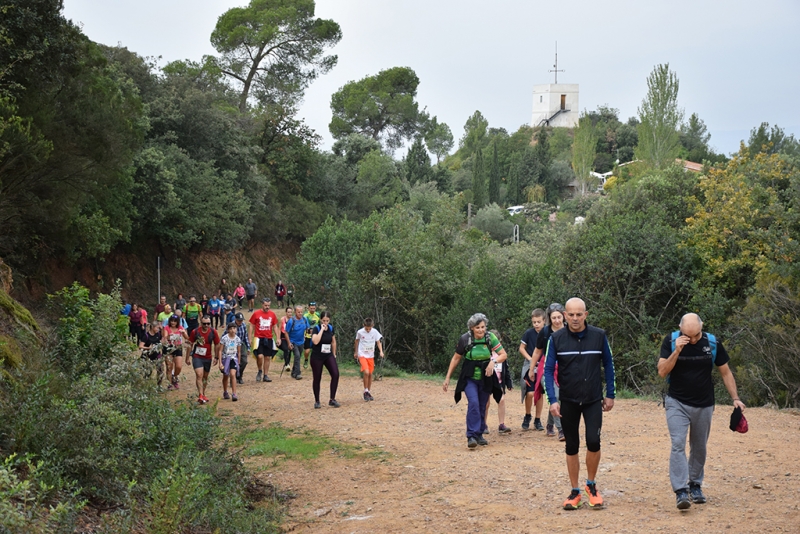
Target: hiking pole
{"x":379,"y":374}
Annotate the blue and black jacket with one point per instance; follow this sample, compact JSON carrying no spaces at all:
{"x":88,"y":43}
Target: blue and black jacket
{"x":579,"y":356}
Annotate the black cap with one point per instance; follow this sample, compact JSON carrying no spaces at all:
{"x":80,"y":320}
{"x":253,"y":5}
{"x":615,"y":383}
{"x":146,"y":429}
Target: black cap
{"x":240,"y":316}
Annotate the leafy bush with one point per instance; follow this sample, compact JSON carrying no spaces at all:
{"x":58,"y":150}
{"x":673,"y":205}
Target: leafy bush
{"x":91,"y":427}
{"x":493,"y":220}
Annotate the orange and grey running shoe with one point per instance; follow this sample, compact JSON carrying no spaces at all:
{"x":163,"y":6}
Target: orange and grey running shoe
{"x":595,"y":500}
{"x":573,"y":502}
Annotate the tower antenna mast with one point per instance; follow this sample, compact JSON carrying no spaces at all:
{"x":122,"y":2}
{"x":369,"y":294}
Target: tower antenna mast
{"x":555,"y":65}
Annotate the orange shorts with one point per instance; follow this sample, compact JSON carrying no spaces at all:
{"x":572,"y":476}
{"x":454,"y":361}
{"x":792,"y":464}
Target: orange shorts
{"x":367,"y":364}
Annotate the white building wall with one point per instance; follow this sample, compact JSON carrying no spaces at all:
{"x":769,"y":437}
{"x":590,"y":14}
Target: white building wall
{"x":547,"y":102}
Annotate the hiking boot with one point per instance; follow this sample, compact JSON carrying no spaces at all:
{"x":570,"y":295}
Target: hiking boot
{"x":472,"y":443}
{"x":573,"y":502}
{"x":266,"y":379}
{"x":225,"y":395}
{"x":503,"y":429}
{"x":298,"y":377}
{"x":366,"y":397}
{"x":239,"y":380}
{"x":234,"y":398}
{"x":288,"y":368}
{"x":334,"y":403}
{"x":258,"y":377}
{"x":682,"y":499}
{"x":561,"y":436}
{"x":305,"y":363}
{"x":594,"y":496}
{"x":317,"y":406}
{"x":170,"y":387}
{"x":551,"y":431}
{"x":482,"y":441}
{"x":537,"y":424}
{"x":369,"y":396}
{"x":696,"y":494}
{"x":526,"y":422}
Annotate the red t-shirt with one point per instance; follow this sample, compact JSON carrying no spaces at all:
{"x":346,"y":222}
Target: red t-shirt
{"x":263,"y":322}
{"x":203,"y":347}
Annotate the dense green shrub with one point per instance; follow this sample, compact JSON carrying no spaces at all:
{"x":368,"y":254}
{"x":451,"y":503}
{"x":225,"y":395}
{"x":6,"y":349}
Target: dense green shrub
{"x":89,"y":426}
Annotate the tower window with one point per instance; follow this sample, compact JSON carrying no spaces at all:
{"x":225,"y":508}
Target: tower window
{"x":563,"y":101}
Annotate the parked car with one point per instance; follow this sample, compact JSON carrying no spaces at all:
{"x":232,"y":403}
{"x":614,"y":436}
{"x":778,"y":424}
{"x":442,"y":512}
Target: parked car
{"x":514,"y":210}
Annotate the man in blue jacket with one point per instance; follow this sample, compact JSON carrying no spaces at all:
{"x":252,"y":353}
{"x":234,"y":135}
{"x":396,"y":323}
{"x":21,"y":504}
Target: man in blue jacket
{"x":580,"y":350}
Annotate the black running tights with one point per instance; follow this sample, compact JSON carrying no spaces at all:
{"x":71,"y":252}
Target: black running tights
{"x":316,"y":370}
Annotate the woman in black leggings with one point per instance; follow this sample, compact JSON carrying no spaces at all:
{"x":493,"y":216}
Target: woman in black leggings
{"x":323,"y":353}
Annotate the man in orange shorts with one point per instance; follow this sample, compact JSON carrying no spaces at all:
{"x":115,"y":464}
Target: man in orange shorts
{"x":366,"y":340}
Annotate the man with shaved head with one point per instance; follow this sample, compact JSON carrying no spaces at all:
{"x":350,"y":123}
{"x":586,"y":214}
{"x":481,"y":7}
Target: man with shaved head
{"x":687,"y":358}
{"x":580,"y":350}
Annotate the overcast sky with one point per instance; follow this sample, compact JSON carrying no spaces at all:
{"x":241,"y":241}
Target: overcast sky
{"x":737,"y":60}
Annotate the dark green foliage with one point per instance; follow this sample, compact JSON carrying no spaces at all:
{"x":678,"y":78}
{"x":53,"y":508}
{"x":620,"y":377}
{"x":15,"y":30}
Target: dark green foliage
{"x":74,"y":125}
{"x":772,"y":141}
{"x":479,"y":192}
{"x":494,"y":176}
{"x":417,"y":164}
{"x":382,"y":107}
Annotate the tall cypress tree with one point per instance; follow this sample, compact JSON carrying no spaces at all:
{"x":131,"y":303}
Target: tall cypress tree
{"x":479,"y":180}
{"x":494,"y":177}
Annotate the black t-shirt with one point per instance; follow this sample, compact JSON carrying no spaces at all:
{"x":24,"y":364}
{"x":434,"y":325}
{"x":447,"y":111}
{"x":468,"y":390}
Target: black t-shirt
{"x":690,"y":381}
{"x":529,"y":340}
{"x":543,"y":337}
{"x":324,"y":349}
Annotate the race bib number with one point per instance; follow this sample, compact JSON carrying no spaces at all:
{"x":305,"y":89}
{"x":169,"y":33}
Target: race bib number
{"x":201,"y":351}
{"x":498,"y":368}
{"x":231,"y":350}
{"x":368,"y":347}
{"x":326,"y":349}
{"x":264,"y":324}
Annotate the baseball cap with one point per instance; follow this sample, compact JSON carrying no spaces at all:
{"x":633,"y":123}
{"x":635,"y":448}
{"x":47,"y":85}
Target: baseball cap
{"x":240,"y":316}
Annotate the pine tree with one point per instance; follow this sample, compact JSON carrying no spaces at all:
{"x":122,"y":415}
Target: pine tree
{"x":479,"y":192}
{"x":494,"y":177}
{"x":418,"y":163}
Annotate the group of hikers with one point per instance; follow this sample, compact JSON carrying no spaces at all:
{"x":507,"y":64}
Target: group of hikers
{"x":187,"y":334}
{"x":563,"y":356}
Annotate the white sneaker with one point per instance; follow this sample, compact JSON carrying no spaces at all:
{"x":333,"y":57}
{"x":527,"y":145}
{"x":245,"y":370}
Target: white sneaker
{"x":287,"y":368}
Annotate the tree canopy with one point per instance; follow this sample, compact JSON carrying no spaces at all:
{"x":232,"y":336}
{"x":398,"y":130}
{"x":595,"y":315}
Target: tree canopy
{"x":383,"y":107}
{"x":274,"y":48}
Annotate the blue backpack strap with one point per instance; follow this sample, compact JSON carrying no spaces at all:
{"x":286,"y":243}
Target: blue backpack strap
{"x":674,"y":336}
{"x":712,"y":341}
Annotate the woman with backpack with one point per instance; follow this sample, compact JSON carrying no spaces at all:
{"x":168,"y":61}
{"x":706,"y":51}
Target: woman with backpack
{"x":480,"y":350}
{"x":554,"y":318}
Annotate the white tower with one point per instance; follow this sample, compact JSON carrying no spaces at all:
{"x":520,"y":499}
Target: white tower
{"x":555,"y":104}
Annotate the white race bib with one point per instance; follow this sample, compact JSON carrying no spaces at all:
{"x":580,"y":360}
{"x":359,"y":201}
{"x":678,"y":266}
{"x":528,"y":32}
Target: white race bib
{"x":264,"y":324}
{"x":200,"y":351}
{"x":326,"y":349}
{"x":368,"y":347}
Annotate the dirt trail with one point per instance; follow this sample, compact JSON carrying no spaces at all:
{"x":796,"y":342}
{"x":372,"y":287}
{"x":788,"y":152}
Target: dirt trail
{"x":426,"y":480}
{"x":430,"y":482}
